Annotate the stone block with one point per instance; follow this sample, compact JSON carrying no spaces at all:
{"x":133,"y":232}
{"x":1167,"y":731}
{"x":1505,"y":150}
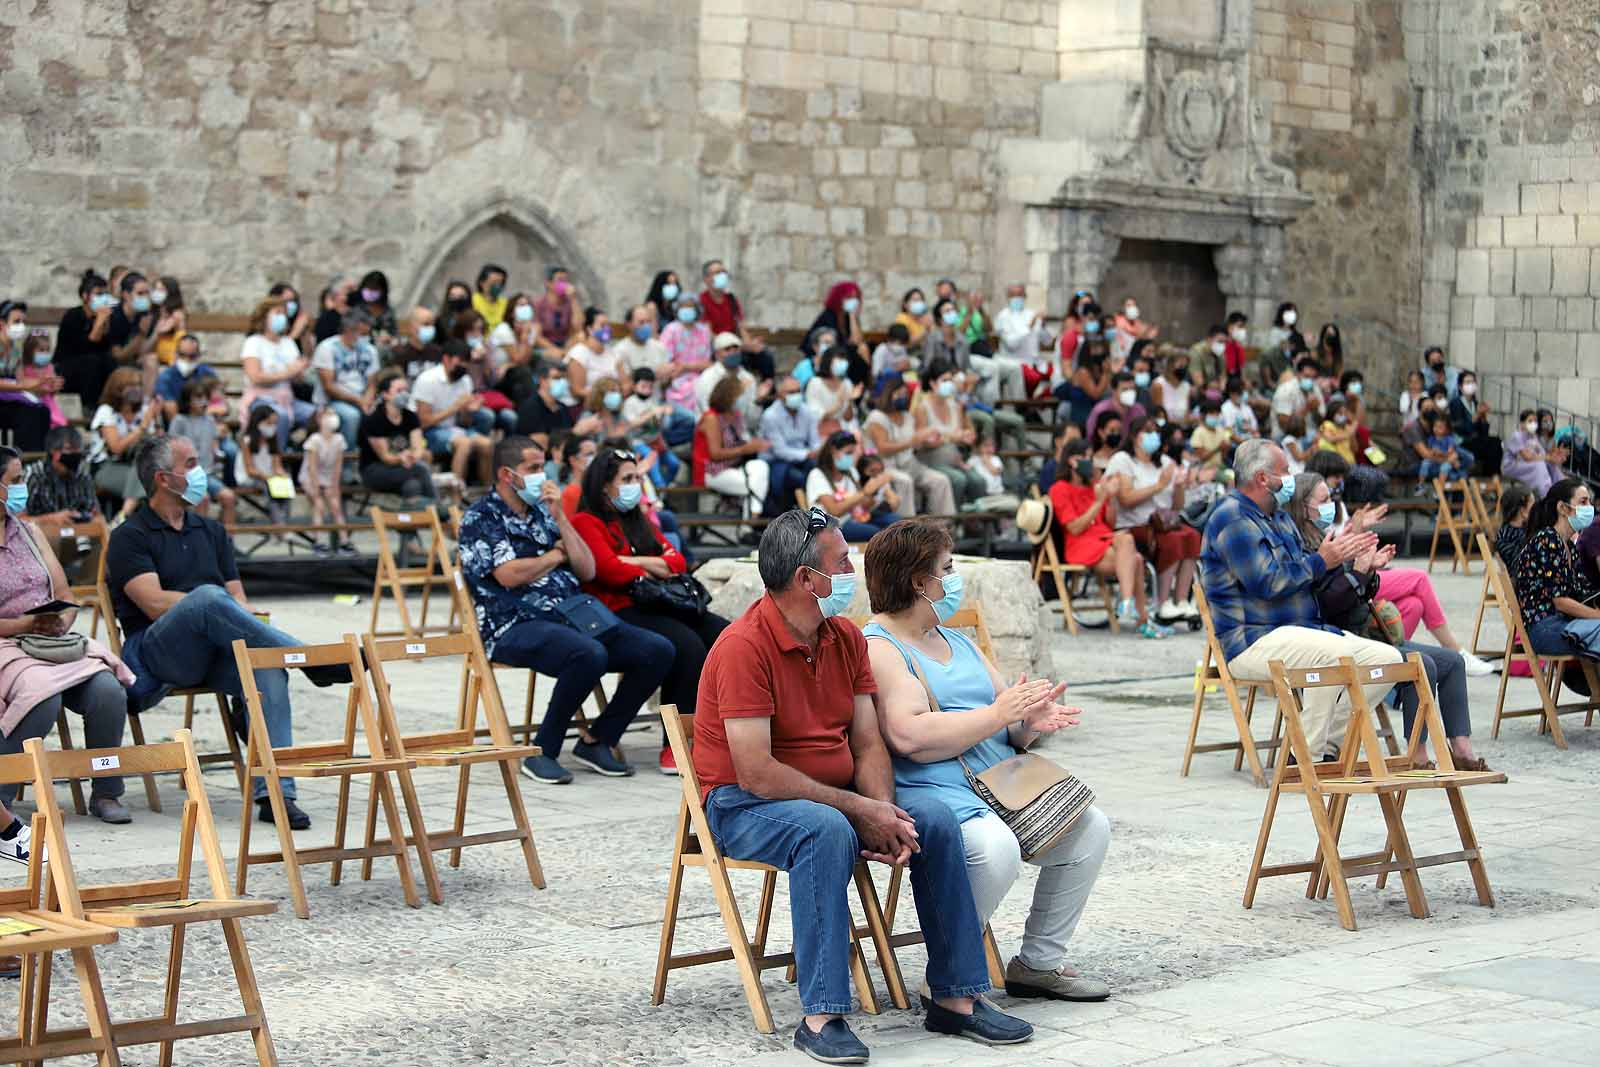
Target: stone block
{"x":1483,"y":312}
{"x":1313,"y":74}
{"x":1541,"y":198}
{"x":1558,"y":230}
{"x":1589,"y":355}
{"x":771,"y":33}
{"x":913,"y":80}
{"x":869,"y":45}
{"x":1502,"y":271}
{"x":1574,"y":198}
{"x":1533,"y":271}
{"x":1486,"y":231}
{"x":1461,"y":310}
{"x":1520,"y":346}
{"x":1569,"y":271}
{"x":1491,"y":351}
{"x":1310,"y":97}
{"x":1543,"y":313}
{"x":1464,"y":349}
{"x":1337,"y":121}
{"x":1572,"y":394}
{"x":1521,"y":231}
{"x":1589,"y":230}
{"x":852,"y":161}
{"x":1553,"y":169}
{"x":724,"y":29}
{"x":1501,"y":199}
{"x":842,"y":70}
{"x":1558,"y":353}
{"x":847,"y":221}
{"x":870,"y":17}
{"x":1594,"y":275}
{"x":1508,"y":312}
{"x":831,"y":12}
{"x":1472,"y":273}
{"x":952,"y":85}
{"x":912,"y":194}
{"x":260,"y":152}
{"x":877,"y":76}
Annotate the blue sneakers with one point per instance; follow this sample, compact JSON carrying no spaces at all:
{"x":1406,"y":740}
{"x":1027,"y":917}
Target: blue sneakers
{"x":542,"y":768}
{"x":834,"y":1044}
{"x":600,"y":760}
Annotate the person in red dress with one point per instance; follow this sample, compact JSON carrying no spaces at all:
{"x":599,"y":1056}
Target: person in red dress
{"x":1084,"y":508}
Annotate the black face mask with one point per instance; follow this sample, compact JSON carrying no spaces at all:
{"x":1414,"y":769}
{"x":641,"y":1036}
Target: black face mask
{"x":457,"y":373}
{"x":70,"y":461}
{"x":458,"y":303}
{"x":1085,"y":468}
{"x":1113,"y":440}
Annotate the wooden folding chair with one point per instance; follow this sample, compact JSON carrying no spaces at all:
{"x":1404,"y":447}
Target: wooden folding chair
{"x":1459,"y":525}
{"x":1328,"y":786}
{"x":456,"y":748}
{"x":1546,"y":669}
{"x":397,"y":581}
{"x":155,"y":903}
{"x":1488,"y":600}
{"x":694,"y":846}
{"x":1213,"y":671}
{"x":1065,"y":575}
{"x":1485,"y":496}
{"x":29,"y":931}
{"x":335,"y":759}
{"x":891,"y":966}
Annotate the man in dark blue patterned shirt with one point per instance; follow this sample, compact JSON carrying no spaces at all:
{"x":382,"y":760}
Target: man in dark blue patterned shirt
{"x":1259,"y":581}
{"x":524,"y":561}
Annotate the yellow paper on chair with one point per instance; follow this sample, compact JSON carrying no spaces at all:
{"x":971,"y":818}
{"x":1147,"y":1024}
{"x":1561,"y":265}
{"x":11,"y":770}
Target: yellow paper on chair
{"x":10,"y":927}
{"x":161,"y":905}
{"x":1375,"y":455}
{"x":280,"y":487}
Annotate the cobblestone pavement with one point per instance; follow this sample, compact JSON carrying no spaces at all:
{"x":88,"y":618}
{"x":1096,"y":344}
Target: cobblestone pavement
{"x":506,"y":974}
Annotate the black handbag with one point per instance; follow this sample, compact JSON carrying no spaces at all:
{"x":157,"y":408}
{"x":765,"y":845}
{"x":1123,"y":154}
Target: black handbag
{"x":586,"y":615}
{"x":681,"y":596}
{"x":1345,"y":597}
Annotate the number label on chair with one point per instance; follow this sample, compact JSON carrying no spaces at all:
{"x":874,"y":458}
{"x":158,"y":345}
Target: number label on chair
{"x":1377,"y":672}
{"x":105,"y":763}
{"x":67,"y":533}
{"x":416,"y":650}
{"x":1312,"y":676}
{"x":402,"y":517}
{"x":291,"y":658}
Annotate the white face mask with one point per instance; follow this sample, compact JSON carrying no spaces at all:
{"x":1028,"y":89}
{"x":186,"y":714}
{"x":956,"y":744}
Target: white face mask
{"x":1530,"y":427}
{"x":1469,"y":388}
{"x":1218,"y":347}
{"x":1131,"y":312}
{"x":1127,"y":397}
{"x":1290,"y":316}
{"x":1239,"y":334}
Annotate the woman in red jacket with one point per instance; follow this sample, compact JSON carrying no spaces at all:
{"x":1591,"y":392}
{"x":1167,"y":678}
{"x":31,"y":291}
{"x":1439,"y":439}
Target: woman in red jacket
{"x":627,"y":546}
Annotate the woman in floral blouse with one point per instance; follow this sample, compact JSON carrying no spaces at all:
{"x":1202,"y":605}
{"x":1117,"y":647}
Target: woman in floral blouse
{"x":1559,"y":603}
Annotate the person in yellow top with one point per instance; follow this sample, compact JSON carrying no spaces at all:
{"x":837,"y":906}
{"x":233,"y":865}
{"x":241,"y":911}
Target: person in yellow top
{"x":173,"y":324}
{"x":1211,"y":441}
{"x":914,"y":316}
{"x":489,"y":299}
{"x":1336,"y":434}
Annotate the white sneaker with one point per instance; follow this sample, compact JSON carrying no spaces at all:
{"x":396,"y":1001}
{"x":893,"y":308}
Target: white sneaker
{"x":18,"y":847}
{"x":1477,"y":667}
{"x":1170,"y":611}
{"x":1190,"y":609}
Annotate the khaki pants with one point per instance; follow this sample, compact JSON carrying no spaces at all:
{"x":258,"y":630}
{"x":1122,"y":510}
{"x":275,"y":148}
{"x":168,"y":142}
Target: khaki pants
{"x":1301,"y":646}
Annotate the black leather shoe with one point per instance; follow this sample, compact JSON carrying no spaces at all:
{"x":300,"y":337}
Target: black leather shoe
{"x":834,"y":1044}
{"x":298,"y":820}
{"x":986,"y":1025}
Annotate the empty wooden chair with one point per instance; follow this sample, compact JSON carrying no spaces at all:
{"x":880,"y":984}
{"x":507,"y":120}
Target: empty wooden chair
{"x":1065,"y":576}
{"x":93,"y":592}
{"x":334,"y":759}
{"x":1457,"y":521}
{"x":1547,"y":670}
{"x":433,"y":572}
{"x":1363,"y":769}
{"x":457,"y":748}
{"x":156,"y":903}
{"x":1213,"y":671}
{"x":32,"y":933}
{"x":694,"y":846}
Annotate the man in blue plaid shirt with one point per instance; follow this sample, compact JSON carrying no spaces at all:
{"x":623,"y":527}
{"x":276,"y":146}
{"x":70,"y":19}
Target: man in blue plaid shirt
{"x":1259,"y":579}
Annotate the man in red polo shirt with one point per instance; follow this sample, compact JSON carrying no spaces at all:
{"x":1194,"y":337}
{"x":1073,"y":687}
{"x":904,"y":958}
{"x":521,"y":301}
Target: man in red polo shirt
{"x":722,"y":311}
{"x":795,"y":774}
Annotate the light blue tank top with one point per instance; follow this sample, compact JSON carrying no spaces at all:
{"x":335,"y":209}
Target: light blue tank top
{"x":960,"y":685}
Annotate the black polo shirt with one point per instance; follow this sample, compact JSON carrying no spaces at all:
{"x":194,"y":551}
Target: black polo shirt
{"x":534,"y":417}
{"x":183,"y":560}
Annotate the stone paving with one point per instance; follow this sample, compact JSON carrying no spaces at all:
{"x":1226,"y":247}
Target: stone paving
{"x":504,"y":974}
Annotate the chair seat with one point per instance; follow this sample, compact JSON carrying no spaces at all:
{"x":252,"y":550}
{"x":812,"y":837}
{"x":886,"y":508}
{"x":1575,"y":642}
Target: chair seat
{"x":1407,"y":782}
{"x":460,"y":755}
{"x":333,"y":768}
{"x":57,"y":932}
{"x":698,"y":859}
{"x":177,"y":912}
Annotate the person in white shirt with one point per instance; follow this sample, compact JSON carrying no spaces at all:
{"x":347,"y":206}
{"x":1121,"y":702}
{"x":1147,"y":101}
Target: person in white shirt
{"x":589,"y":359}
{"x":345,"y":364}
{"x":728,"y":358}
{"x":640,"y":348}
{"x":455,"y":423}
{"x":1023,"y":342}
{"x":1299,"y":396}
{"x":1237,"y":415}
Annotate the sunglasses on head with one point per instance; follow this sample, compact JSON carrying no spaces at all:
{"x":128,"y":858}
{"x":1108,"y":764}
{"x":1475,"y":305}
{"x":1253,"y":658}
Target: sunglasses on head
{"x":816,"y":522}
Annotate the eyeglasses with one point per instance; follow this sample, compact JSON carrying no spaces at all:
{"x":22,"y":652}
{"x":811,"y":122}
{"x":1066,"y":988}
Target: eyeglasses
{"x":622,"y":456}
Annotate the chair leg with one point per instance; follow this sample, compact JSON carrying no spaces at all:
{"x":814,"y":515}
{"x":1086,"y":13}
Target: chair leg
{"x":151,"y":796}
{"x":341,"y":815}
{"x":1415,"y":896}
{"x":64,"y":728}
{"x":397,"y":837}
{"x":1268,"y":814}
{"x":94,"y":1002}
{"x":991,"y":951}
{"x":174,"y":978}
{"x":1328,"y":851}
{"x":460,"y":825}
{"x":882,"y":944}
{"x":249,"y":994}
{"x":370,"y":830}
{"x":419,"y":830}
{"x":1194,"y":722}
{"x":1469,"y":843}
{"x":291,"y":858}
{"x":519,"y":815}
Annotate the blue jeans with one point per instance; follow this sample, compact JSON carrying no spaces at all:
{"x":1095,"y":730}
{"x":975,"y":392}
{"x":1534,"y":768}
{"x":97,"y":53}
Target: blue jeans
{"x":1432,"y":468}
{"x":855,"y":532}
{"x":786,"y":476}
{"x":818,"y":847}
{"x":1447,"y":676}
{"x":1556,"y":635}
{"x":192,"y":645}
{"x":577,"y":663}
{"x":350,"y":418}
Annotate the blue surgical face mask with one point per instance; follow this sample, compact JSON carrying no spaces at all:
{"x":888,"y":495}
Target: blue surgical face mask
{"x":292,"y":307}
{"x":1142,"y":379}
{"x":613,"y":400}
{"x":524,"y":313}
{"x":946,"y":605}
{"x":844,"y":588}
{"x":686,"y":315}
{"x":947,"y":388}
{"x":1582,"y":515}
{"x":194,"y":485}
{"x":1285,"y":491}
{"x":1307,"y":384}
{"x":627,"y":497}
{"x":16,"y":498}
{"x":918,"y":307}
{"x":1018,"y":303}
{"x":560,"y":391}
{"x":792,"y":401}
{"x":952,"y":317}
{"x":1150,"y":441}
{"x":1092,"y":327}
{"x":1327,"y":511}
{"x":278,"y":322}
{"x":733,"y":362}
{"x":840,"y":367}
{"x":528,"y":492}
{"x":720,"y":281}
{"x":845,"y":461}
{"x":425,"y":335}
{"x":852,"y":305}
{"x":669,"y":291}
{"x":642,"y":332}
{"x":1212,"y":421}
{"x":1354,"y":389}
{"x":141,"y":304}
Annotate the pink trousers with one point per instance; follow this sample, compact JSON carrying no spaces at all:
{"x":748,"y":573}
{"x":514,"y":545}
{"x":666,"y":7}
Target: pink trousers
{"x":1412,"y":593}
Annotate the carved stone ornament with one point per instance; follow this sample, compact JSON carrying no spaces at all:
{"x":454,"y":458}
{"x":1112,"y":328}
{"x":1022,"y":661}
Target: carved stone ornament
{"x":1195,"y":111}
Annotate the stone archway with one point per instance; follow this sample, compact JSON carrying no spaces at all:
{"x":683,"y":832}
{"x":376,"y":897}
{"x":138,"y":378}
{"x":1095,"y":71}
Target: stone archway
{"x":517,"y":235}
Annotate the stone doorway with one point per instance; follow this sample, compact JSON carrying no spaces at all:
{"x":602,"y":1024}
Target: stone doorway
{"x":518,"y":239}
{"x":1175,"y":283}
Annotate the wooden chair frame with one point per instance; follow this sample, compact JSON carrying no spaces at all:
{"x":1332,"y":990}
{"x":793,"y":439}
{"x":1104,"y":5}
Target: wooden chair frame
{"x":1214,"y":672}
{"x":1488,"y":600}
{"x":1328,"y":787}
{"x":694,"y":846}
{"x":1046,"y":561}
{"x":54,"y":931}
{"x":1459,"y":526}
{"x":325,"y":760}
{"x":890,"y":965}
{"x":157,"y":903}
{"x":434,"y":571}
{"x":456,"y":748}
{"x":1545,"y":669}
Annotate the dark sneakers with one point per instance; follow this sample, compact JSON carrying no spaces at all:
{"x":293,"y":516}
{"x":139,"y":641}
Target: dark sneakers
{"x":987,"y":1024}
{"x":543,"y":769}
{"x":599,"y":759}
{"x":298,"y":820}
{"x":835,"y":1044}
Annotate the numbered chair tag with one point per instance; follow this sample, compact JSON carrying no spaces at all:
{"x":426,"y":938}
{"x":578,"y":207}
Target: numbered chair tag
{"x":416,"y":650}
{"x":1377,"y":672}
{"x":1312,"y":676}
{"x":402,"y":517}
{"x":105,"y":763}
{"x":68,"y":533}
{"x":292,"y":658}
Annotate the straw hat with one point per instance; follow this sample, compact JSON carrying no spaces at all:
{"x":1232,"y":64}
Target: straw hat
{"x":1033,"y":519}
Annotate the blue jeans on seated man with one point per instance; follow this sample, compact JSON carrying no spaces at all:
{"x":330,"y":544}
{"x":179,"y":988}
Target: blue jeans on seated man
{"x":1447,"y":677}
{"x":577,"y":663}
{"x":818,"y":847}
{"x":192,"y":645}
{"x":787,"y":476}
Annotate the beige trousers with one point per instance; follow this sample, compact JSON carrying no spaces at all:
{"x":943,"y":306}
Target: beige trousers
{"x":1301,"y":646}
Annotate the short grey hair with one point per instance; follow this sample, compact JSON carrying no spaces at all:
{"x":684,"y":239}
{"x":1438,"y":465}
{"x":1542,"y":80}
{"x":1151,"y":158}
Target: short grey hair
{"x":355,"y":318}
{"x":785,"y":548}
{"x":1253,"y":457}
{"x":154,"y":458}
